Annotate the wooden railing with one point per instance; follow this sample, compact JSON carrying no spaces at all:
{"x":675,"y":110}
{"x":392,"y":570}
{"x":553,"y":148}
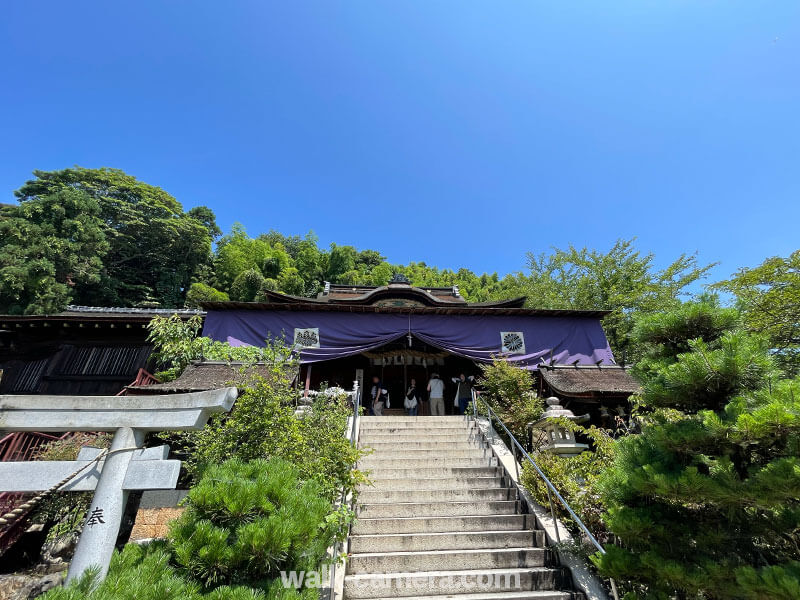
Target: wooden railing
{"x":142,"y":378}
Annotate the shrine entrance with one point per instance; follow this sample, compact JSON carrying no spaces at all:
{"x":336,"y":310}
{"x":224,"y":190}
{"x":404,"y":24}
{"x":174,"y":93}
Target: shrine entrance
{"x":396,"y":364}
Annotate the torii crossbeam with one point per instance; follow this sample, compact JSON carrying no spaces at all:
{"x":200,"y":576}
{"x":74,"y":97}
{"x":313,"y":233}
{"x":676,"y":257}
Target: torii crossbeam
{"x":125,"y":467}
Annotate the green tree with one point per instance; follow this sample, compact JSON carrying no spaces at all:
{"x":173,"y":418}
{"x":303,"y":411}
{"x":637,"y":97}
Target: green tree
{"x":705,"y":502}
{"x":246,"y":285}
{"x":201,"y":292}
{"x":509,"y":391}
{"x":621,"y":280}
{"x":154,"y":247}
{"x":290,"y":282}
{"x":206,"y":216}
{"x":769,"y":298}
{"x":340,"y":260}
{"x":53,"y":245}
{"x":236,"y":253}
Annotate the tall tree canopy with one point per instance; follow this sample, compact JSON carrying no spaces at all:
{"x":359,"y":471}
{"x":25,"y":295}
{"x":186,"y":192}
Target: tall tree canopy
{"x":52,"y":244}
{"x":622,"y":280}
{"x":769,"y":297}
{"x":705,"y":502}
{"x":155,"y":249}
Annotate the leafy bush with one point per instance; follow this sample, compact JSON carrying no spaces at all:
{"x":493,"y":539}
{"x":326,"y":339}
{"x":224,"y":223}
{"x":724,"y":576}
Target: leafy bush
{"x":136,"y":573}
{"x":247,"y":521}
{"x":246,"y":285}
{"x":147,"y":573}
{"x":264,"y":423}
{"x":508,"y":389}
{"x":244,"y":523}
{"x":575,"y":478}
{"x":177,"y":343}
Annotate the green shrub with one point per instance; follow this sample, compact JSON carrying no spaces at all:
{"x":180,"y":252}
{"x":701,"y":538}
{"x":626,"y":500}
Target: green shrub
{"x":177,"y":343}
{"x":508,"y":389}
{"x":146,"y":573}
{"x":575,"y":478}
{"x":247,"y":521}
{"x":703,"y":503}
{"x":264,"y":423}
{"x":244,"y":523}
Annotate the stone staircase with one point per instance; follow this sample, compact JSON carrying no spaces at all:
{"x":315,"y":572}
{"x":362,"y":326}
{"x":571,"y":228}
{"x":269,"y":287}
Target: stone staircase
{"x":441,"y":520}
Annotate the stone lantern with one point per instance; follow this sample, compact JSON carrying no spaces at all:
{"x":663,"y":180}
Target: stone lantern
{"x":559,"y":440}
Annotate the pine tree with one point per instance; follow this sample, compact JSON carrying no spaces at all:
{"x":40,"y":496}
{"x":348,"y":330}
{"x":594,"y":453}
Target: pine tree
{"x":705,"y":502}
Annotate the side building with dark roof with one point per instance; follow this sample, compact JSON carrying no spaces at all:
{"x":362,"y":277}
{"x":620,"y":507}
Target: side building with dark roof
{"x":84,"y":350}
{"x":601,"y":391}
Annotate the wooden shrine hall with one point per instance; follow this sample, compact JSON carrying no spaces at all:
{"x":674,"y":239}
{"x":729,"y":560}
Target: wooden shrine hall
{"x":400,"y":332}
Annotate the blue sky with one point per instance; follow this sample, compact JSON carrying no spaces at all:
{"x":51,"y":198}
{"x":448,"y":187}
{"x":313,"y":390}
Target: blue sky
{"x":459,"y":133}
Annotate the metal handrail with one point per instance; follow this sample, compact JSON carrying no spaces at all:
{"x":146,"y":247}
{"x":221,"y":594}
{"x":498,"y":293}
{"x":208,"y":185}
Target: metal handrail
{"x":549,"y":485}
{"x":351,"y":437}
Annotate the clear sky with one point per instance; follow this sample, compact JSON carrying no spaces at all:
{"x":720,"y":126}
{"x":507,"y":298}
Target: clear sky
{"x":459,"y":133}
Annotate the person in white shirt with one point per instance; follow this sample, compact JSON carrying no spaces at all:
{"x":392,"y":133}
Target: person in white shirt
{"x":436,"y":393}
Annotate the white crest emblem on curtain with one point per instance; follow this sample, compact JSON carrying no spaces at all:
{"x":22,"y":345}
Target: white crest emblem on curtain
{"x":512,"y":342}
{"x":306,"y":338}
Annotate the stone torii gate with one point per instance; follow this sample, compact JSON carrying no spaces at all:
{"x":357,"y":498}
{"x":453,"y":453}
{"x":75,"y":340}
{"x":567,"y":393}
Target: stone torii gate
{"x":122,"y":468}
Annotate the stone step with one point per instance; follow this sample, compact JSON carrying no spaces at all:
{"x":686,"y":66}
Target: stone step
{"x":521,"y":595}
{"x":436,"y":509}
{"x":377,"y":464}
{"x":421,"y":436}
{"x":373,"y":496}
{"x":377,"y":458}
{"x":420,"y":427}
{"x":398,"y":446}
{"x":425,"y":583}
{"x":482,"y":558}
{"x":436,"y":483}
{"x":425,"y":461}
{"x":459,"y":540}
{"x":443,"y":524}
{"x":454,"y":468}
{"x":417,"y":419}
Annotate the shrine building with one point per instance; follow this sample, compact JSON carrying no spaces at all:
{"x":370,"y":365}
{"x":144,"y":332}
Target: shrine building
{"x":398,"y":332}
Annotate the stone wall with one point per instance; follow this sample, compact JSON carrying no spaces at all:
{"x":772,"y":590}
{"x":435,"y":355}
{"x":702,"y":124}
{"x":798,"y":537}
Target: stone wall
{"x":157,"y":509}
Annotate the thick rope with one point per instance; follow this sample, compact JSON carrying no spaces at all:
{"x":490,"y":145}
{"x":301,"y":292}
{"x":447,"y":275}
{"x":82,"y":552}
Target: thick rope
{"x":13,"y":515}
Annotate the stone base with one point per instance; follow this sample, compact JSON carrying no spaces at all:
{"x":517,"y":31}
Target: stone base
{"x":153,"y":522}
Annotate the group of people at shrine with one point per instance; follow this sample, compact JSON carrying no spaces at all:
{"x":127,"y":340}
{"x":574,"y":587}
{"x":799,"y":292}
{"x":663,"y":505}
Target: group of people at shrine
{"x":416,"y":395}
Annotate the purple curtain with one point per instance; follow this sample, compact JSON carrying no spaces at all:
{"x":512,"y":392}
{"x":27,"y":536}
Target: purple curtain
{"x":566,"y":339}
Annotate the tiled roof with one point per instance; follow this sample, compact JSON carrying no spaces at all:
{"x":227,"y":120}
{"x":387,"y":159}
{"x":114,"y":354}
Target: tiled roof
{"x":124,"y":310}
{"x":201,"y":376}
{"x":584,"y":381}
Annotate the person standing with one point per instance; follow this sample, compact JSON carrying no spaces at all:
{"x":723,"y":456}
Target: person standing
{"x":463,"y":393}
{"x":436,"y":394}
{"x":412,"y":400}
{"x":378,"y":396}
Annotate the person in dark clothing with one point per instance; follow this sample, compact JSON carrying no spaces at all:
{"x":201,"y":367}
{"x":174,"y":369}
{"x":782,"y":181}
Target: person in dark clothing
{"x":463,"y":393}
{"x":412,"y":399}
{"x":378,"y":397}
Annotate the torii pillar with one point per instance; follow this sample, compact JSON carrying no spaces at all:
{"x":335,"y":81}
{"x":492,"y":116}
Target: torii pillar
{"x":130,"y":418}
